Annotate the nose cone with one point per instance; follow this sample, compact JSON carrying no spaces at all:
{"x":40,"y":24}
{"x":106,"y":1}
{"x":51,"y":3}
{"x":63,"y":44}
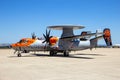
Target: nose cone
{"x":14,"y":45}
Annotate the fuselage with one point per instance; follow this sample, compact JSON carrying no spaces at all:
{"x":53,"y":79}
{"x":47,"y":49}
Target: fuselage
{"x":56,"y":43}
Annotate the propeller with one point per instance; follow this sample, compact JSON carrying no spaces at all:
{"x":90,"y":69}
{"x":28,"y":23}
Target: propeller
{"x":47,"y":37}
{"x":33,"y":35}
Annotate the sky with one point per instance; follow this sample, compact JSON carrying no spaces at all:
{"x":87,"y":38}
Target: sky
{"x":20,"y":18}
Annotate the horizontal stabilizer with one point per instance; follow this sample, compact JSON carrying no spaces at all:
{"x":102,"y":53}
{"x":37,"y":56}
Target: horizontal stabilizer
{"x":97,"y":38}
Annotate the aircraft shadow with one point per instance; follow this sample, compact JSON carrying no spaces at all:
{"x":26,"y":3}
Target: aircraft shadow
{"x":89,"y":54}
{"x":58,"y":55}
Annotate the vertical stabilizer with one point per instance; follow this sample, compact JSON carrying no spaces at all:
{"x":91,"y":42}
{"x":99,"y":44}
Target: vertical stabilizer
{"x":94,"y":41}
{"x":107,"y":36}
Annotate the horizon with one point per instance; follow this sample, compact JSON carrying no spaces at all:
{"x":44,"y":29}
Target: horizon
{"x":20,"y":18}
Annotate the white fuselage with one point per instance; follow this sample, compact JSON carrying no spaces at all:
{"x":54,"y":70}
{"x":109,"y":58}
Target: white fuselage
{"x":61,"y":45}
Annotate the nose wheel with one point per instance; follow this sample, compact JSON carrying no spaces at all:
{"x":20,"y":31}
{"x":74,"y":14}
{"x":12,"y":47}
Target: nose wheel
{"x":19,"y":55}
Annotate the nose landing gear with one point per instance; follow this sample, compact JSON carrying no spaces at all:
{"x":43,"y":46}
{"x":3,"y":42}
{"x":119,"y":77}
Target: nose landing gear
{"x":19,"y":55}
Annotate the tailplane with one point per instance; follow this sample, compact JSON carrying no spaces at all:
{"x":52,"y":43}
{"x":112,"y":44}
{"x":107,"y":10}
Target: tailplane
{"x":106,"y":35}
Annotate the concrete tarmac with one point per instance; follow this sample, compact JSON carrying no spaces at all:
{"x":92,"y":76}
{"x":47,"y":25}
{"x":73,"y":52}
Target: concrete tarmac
{"x":99,"y":64}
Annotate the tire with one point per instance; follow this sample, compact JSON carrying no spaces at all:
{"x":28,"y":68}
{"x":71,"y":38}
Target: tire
{"x":66,"y":53}
{"x":51,"y":53}
{"x":19,"y":55}
{"x":55,"y":52}
{"x":25,"y":51}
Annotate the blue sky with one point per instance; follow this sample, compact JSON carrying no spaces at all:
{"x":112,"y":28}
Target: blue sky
{"x":19,"y":18}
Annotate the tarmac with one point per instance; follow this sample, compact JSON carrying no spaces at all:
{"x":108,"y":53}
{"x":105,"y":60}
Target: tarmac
{"x":98,"y":64}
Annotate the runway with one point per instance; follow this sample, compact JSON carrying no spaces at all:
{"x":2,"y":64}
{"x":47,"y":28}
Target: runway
{"x":98,"y":64}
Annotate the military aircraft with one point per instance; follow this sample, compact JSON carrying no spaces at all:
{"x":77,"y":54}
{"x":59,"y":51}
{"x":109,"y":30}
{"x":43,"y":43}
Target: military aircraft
{"x":64,"y":44}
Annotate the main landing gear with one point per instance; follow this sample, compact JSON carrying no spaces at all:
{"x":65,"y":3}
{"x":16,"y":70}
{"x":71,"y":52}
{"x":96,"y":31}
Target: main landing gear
{"x":65,"y":53}
{"x":52,"y":53}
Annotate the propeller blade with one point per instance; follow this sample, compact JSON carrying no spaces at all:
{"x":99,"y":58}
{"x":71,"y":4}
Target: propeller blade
{"x":33,"y":35}
{"x":43,"y":41}
{"x":49,"y":32}
{"x":44,"y":36}
{"x":47,"y":36}
{"x":46,"y":32}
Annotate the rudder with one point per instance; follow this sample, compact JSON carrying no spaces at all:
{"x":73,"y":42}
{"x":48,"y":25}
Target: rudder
{"x":107,"y":36}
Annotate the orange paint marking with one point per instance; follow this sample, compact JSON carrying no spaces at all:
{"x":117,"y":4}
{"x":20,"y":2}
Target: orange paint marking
{"x":53,"y":40}
{"x":24,"y":42}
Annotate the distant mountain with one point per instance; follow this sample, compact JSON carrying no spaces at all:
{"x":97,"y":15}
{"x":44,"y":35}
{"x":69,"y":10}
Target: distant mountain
{"x":5,"y":45}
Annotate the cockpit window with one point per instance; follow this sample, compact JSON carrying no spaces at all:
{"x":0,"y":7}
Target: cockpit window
{"x":20,"y":41}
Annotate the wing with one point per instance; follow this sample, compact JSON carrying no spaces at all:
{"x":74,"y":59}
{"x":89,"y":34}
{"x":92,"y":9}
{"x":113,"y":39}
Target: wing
{"x":81,"y":36}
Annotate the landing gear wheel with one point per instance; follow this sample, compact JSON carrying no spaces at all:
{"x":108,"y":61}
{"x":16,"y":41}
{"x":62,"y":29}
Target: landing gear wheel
{"x":55,"y":52}
{"x":52,"y":53}
{"x":19,"y":55}
{"x":66,"y":53}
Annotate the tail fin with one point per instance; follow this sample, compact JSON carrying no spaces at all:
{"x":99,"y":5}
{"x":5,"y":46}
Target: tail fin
{"x":94,"y":41}
{"x":107,"y":36}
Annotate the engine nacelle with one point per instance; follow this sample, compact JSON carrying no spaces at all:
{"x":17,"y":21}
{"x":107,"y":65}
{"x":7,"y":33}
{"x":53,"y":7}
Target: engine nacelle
{"x":53,"y":40}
